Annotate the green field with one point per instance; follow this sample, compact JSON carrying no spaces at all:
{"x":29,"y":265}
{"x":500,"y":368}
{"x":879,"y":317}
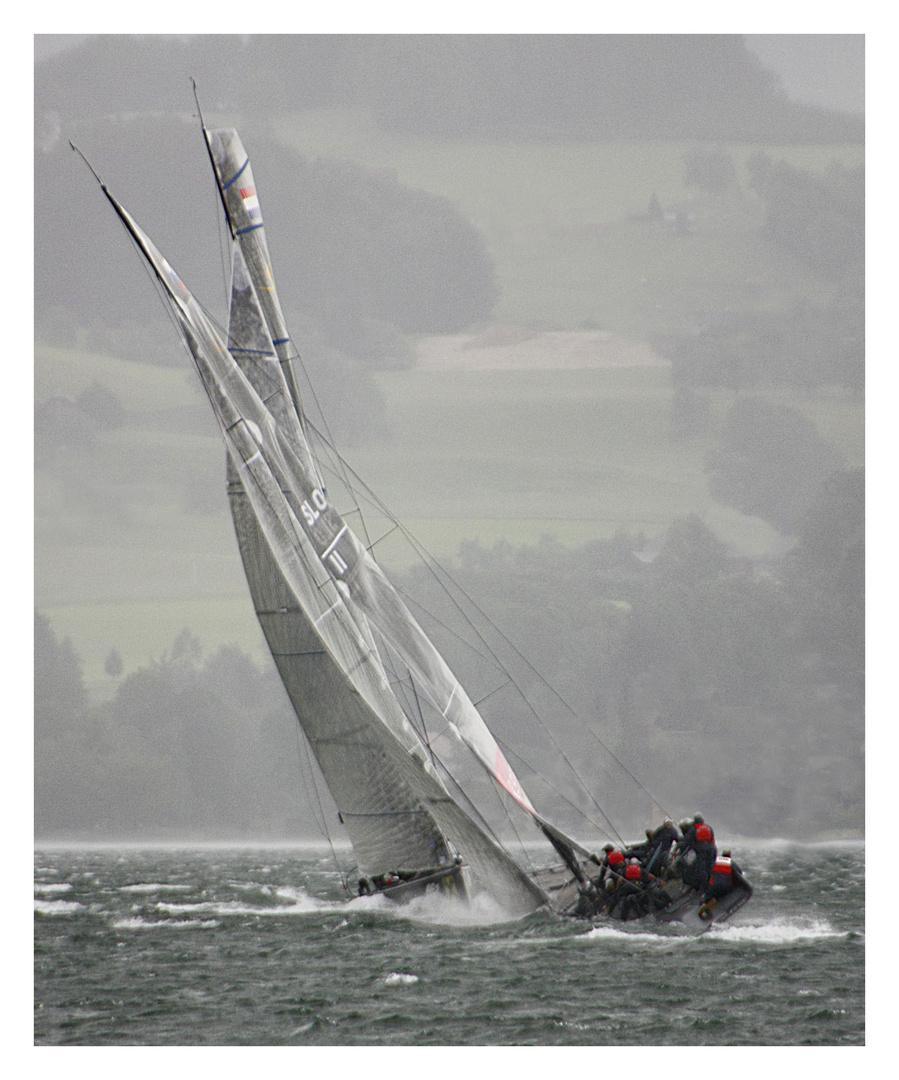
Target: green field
{"x":133,"y":540}
{"x":485,"y":455}
{"x":558,"y":218}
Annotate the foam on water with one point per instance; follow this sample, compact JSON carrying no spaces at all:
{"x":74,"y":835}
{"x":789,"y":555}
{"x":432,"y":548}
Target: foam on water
{"x":57,"y":907}
{"x":605,"y":933}
{"x":57,"y":887}
{"x":776,"y":932}
{"x":400,"y":978}
{"x":436,"y":908}
{"x":299,"y":903}
{"x":137,"y":923}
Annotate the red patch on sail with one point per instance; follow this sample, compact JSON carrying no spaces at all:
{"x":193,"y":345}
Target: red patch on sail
{"x":502,"y":770}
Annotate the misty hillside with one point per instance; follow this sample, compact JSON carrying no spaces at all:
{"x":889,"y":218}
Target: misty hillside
{"x":588,"y":312}
{"x":678,"y":86}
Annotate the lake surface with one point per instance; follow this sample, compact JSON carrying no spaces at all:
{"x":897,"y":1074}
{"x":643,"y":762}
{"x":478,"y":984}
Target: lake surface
{"x":262,"y":947}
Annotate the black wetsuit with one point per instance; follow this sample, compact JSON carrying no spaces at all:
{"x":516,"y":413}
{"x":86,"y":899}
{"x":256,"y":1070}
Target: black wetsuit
{"x":706,"y":853}
{"x":721,"y":884}
{"x":661,"y":841}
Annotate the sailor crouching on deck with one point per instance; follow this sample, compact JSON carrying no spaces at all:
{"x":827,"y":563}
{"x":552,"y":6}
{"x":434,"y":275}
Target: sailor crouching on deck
{"x":595,"y":894}
{"x":634,"y":897}
{"x":725,"y":877}
{"x":611,"y":866}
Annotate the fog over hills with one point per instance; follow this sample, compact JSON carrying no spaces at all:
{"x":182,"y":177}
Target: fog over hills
{"x":587,"y":310}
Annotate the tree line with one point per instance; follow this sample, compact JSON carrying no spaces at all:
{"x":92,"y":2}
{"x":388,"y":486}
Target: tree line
{"x":818,"y":219}
{"x":725,"y":685}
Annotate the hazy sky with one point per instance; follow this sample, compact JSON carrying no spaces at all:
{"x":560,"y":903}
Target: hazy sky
{"x":819,"y":69}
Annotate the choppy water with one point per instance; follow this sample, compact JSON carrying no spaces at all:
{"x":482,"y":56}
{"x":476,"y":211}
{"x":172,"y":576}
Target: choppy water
{"x":260,"y":947}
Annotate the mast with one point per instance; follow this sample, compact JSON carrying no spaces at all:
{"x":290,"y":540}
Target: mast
{"x":305,"y":567}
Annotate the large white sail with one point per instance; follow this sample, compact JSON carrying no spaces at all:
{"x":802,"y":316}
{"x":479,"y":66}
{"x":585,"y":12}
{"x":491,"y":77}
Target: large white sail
{"x":396,"y":809}
{"x":369,"y":588}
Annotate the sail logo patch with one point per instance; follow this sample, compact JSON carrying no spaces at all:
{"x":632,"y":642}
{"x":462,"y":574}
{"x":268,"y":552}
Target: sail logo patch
{"x":251,"y":203}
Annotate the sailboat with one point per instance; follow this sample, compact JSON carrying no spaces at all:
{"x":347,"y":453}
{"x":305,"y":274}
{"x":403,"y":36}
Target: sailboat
{"x":329,"y":614}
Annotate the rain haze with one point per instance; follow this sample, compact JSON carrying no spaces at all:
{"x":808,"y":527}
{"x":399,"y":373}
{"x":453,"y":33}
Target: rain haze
{"x":586,"y":312}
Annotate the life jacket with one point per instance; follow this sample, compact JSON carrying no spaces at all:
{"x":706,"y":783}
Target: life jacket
{"x":632,"y":873}
{"x":703,"y":834}
{"x":721,"y":868}
{"x":615,"y":858}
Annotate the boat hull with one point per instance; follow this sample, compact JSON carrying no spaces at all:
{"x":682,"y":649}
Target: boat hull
{"x":447,"y":881}
{"x":677,"y":903}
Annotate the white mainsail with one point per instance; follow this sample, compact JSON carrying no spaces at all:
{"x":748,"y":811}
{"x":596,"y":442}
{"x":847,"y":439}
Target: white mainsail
{"x":369,"y":588}
{"x":312,"y":607}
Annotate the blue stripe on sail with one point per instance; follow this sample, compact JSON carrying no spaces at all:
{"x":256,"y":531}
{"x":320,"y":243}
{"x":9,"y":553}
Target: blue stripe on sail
{"x":249,"y":228}
{"x":250,"y":352}
{"x":281,"y":341}
{"x":235,"y":176}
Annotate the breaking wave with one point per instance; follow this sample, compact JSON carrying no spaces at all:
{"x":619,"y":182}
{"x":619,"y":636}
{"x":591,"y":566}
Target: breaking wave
{"x":777,"y":932}
{"x":57,"y":907}
{"x":400,"y":978}
{"x":137,"y":923}
{"x":294,"y":902}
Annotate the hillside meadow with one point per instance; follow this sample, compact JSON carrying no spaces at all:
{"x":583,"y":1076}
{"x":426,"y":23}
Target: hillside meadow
{"x":485,"y":455}
{"x":133,"y":540}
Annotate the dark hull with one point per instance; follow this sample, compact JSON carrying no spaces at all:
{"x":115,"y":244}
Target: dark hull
{"x":448,"y":881}
{"x":677,"y":903}
{"x":687,"y":910}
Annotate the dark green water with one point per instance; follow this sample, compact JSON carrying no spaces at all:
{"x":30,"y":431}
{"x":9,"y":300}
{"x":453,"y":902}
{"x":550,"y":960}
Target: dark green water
{"x":259,"y":947}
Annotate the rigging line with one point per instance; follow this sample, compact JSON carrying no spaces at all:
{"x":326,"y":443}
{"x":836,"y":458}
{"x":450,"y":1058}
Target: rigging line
{"x":542,"y":678}
{"x":476,"y":815}
{"x":413,"y":713}
{"x":513,"y":821}
{"x":329,"y":441}
{"x":424,"y":726}
{"x":447,"y":772}
{"x":511,"y":681}
{"x":433,"y":566}
{"x":609,"y":828}
{"x":322,"y":821}
{"x":418,"y":710}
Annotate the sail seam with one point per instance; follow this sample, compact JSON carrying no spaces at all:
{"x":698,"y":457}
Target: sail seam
{"x":307,"y":652}
{"x":336,"y":604}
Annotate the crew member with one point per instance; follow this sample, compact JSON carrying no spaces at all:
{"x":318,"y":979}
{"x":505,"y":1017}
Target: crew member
{"x":704,"y":846}
{"x":611,"y":866}
{"x":642,"y":850}
{"x":724,"y":878}
{"x":684,"y":855}
{"x":634,"y":896}
{"x":661,"y":840}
